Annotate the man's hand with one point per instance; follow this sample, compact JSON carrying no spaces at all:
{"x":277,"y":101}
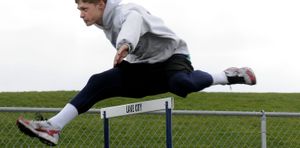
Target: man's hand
{"x":121,"y":54}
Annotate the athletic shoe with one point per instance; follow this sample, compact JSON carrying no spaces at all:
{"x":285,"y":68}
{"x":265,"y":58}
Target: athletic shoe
{"x":43,"y":130}
{"x":243,"y":75}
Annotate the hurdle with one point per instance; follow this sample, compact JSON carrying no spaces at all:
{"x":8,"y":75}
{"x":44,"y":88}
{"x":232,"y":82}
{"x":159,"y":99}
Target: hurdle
{"x":166,"y":104}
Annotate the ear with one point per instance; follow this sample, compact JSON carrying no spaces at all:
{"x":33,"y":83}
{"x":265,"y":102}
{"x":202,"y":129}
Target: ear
{"x":101,"y":4}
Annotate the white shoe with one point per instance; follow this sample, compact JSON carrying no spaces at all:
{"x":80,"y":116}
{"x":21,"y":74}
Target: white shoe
{"x":43,"y":130}
{"x":243,"y":75}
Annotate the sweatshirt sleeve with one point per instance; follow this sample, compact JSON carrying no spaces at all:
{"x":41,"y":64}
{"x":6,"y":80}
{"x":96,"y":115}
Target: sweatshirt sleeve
{"x":132,"y":29}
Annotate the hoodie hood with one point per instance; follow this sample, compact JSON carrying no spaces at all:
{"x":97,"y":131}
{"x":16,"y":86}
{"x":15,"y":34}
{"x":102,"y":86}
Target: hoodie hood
{"x":108,"y":12}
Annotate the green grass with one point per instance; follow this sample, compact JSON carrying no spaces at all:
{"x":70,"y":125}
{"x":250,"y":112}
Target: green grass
{"x":188,"y":131}
{"x":279,"y":102}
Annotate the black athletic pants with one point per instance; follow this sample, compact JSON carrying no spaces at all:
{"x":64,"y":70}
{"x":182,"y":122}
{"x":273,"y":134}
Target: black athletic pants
{"x":175,"y":75}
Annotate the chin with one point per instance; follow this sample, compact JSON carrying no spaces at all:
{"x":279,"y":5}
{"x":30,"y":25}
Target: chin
{"x":89,"y":23}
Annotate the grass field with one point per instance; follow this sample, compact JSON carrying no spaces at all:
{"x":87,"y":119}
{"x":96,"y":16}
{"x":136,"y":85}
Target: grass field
{"x":199,"y":132}
{"x":279,"y":102}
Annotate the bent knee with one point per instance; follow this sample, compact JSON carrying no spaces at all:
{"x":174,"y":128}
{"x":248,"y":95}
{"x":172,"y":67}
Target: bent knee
{"x":184,"y":83}
{"x":181,"y":85}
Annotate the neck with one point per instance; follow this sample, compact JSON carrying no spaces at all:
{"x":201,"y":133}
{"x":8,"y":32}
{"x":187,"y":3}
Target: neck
{"x":100,"y":22}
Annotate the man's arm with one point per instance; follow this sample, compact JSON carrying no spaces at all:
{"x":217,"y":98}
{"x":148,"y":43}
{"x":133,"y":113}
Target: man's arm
{"x":132,"y":29}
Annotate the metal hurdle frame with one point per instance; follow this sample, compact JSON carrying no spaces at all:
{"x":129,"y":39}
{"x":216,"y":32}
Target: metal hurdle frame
{"x":166,"y":104}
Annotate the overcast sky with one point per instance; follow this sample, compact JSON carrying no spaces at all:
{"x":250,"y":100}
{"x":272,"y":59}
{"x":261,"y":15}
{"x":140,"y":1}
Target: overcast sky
{"x":44,"y":45}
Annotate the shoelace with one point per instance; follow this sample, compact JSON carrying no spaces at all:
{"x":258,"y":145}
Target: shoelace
{"x":39,"y":117}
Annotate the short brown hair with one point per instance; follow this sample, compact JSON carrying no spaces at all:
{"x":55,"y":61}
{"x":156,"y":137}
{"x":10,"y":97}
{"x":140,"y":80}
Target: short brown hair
{"x":89,"y":1}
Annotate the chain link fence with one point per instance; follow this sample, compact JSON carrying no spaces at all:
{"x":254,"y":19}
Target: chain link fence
{"x":189,"y":129}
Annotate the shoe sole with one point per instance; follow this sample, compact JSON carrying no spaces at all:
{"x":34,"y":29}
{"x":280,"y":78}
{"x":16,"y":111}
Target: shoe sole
{"x":28,"y":131}
{"x":250,"y":75}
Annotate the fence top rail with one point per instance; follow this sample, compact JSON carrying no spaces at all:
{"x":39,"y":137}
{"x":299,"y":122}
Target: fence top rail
{"x":35,"y":109}
{"x":236,"y":113}
{"x":217,"y":113}
{"x":174,"y":112}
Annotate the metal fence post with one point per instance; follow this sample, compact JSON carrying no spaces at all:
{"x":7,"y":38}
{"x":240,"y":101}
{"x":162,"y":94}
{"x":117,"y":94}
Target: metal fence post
{"x":263,"y":130}
{"x":168,"y":125}
{"x":106,"y":131}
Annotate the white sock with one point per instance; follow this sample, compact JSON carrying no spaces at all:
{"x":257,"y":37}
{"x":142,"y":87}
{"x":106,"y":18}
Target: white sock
{"x":219,"y":78}
{"x":68,"y":113}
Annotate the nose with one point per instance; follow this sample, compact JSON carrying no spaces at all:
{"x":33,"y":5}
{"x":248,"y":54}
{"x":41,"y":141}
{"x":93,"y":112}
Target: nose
{"x":81,"y":15}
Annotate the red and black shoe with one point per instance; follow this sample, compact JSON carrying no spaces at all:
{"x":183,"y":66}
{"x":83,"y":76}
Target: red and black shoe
{"x":243,"y":75}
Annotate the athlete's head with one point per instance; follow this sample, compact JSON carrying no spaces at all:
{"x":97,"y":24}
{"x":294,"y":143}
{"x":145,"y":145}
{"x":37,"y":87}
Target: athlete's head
{"x":91,"y":11}
{"x":89,"y":1}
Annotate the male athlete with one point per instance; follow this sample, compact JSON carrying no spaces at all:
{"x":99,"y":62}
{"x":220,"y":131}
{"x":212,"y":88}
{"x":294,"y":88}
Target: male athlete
{"x":150,"y":59}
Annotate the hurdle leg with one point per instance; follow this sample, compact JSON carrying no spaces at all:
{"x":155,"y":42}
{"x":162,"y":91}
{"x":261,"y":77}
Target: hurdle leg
{"x":106,"y":131}
{"x":168,"y":126}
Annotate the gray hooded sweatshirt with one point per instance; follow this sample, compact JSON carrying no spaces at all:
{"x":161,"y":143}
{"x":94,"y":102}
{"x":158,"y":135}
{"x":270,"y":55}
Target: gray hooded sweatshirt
{"x":149,"y":40}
